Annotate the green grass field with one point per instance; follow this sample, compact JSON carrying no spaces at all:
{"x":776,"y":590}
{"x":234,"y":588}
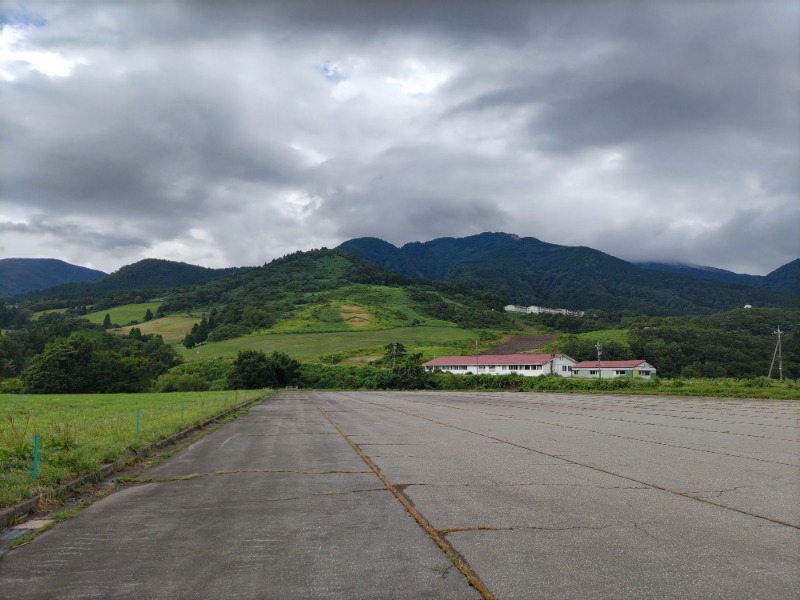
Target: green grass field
{"x":123,"y":314}
{"x":80,"y":432}
{"x":172,"y":329}
{"x":606,"y":335}
{"x":309,"y":346}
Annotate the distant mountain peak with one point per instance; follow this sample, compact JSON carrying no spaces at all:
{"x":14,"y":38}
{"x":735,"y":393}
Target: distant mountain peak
{"x":21,"y":275}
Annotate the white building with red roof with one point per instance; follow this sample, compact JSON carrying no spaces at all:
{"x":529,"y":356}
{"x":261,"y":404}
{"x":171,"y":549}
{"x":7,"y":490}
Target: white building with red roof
{"x":608,"y":369}
{"x":531,"y":365}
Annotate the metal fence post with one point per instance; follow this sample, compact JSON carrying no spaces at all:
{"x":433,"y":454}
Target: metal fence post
{"x":35,"y":456}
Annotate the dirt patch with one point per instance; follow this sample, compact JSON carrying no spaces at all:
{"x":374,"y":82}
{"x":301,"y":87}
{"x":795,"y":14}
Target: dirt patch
{"x":518,"y":344}
{"x":356,"y":316}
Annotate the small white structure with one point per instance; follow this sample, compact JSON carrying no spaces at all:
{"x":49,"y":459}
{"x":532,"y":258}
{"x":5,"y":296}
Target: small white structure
{"x":531,"y":365}
{"x":609,"y":369}
{"x":543,"y":310}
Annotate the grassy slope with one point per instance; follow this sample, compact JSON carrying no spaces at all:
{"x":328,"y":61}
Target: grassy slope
{"x":172,"y":329}
{"x":123,"y":314}
{"x":78,"y":432}
{"x":309,"y":346}
{"x":384,"y":307}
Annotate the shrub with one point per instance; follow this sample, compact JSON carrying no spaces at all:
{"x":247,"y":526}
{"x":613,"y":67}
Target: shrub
{"x":181,"y":382}
{"x":11,"y":386}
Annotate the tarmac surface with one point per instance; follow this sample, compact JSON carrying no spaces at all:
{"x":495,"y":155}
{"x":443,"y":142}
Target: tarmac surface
{"x":448,"y":495}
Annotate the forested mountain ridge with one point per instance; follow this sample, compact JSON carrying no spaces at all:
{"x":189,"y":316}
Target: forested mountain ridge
{"x":20,"y":275}
{"x":143,"y":278}
{"x":528,"y":271}
{"x":783,"y":279}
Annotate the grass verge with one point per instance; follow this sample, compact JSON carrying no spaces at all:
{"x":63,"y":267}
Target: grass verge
{"x":78,"y":433}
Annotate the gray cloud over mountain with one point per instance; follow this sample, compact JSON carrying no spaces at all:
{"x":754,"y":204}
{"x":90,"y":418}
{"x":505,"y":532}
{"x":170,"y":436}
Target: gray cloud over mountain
{"x":229,"y":133}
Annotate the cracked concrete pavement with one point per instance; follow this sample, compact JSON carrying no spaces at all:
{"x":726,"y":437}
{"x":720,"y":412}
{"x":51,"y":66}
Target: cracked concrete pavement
{"x":549,"y":496}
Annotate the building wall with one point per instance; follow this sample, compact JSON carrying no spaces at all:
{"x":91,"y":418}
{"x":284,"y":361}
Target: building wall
{"x":559,"y":366}
{"x":613,"y":373}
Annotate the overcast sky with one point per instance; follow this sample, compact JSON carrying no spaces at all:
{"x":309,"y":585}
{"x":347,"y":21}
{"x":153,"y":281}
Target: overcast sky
{"x":224,"y":133}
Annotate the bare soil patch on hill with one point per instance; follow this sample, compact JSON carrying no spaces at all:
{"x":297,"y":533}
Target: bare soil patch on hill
{"x":520,"y":344}
{"x":355,"y":315}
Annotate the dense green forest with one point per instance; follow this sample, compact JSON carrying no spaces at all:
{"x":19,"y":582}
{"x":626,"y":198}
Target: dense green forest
{"x":58,"y":353}
{"x":736,"y":343}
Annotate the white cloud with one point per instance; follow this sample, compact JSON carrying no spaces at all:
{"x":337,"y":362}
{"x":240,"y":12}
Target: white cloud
{"x":17,"y":57}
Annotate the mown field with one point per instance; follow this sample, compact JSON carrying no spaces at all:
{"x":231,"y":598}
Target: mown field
{"x":172,"y":329}
{"x":80,"y":432}
{"x":123,"y":314}
{"x":308,"y":346}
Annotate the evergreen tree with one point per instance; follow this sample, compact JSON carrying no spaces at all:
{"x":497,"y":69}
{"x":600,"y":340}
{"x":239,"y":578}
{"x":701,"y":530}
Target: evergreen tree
{"x":148,"y":315}
{"x":188,"y":341}
{"x":201,"y":334}
{"x":107,"y":321}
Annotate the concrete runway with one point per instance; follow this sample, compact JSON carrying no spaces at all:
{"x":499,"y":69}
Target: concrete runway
{"x":448,"y":495}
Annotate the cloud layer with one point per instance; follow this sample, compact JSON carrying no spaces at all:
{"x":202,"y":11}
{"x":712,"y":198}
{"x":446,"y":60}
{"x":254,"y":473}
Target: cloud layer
{"x":231,"y":133}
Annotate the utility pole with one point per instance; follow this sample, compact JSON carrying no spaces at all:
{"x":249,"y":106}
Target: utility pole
{"x":394,"y":354}
{"x":599,"y":354}
{"x":476,"y":356}
{"x":777,"y":353}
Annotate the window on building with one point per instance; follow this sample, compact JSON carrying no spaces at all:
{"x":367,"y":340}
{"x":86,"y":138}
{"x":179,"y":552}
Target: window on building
{"x":592,"y":371}
{"x":644,"y":372}
{"x":620,"y":372}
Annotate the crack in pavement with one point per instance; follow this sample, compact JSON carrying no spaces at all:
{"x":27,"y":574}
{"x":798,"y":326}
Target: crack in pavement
{"x":443,"y":545}
{"x":446,"y":530}
{"x":645,"y":531}
{"x":190,"y":476}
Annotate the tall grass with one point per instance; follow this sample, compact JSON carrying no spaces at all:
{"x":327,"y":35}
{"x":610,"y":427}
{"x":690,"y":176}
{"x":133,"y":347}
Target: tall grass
{"x":79,"y":433}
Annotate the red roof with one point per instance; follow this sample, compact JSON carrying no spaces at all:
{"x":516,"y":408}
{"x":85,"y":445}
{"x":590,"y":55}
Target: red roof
{"x":611,"y":364}
{"x":493,"y":359}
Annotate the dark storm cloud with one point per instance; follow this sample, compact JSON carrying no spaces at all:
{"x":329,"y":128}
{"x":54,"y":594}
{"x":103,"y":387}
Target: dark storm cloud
{"x":230,"y":133}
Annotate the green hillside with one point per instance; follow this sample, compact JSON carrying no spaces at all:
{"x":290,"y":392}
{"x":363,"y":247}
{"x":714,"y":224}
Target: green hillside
{"x":330,"y":290}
